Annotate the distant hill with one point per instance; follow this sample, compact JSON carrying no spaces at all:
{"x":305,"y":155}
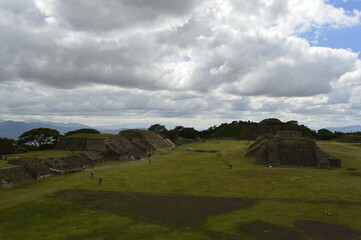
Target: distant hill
{"x":347,"y":129}
{"x":13,"y":129}
{"x":60,"y":124}
{"x":109,"y":131}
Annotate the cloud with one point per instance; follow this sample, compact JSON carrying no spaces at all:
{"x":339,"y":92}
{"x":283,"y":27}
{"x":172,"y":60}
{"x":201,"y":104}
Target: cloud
{"x":171,"y":58}
{"x":101,"y":16}
{"x":241,"y":57}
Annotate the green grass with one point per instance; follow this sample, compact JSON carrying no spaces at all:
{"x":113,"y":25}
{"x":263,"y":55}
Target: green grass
{"x":4,"y":163}
{"x":98,"y":135}
{"x":75,"y":207}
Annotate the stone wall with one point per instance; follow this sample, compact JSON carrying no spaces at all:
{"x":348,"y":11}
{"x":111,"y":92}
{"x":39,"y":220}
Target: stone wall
{"x":70,"y":162}
{"x":278,"y":151}
{"x":157,"y":141}
{"x":350,"y":139}
{"x":14,"y":175}
{"x":122,"y":148}
{"x":301,"y":154}
{"x":289,"y":134}
{"x":132,"y":143}
{"x":94,"y":144}
{"x":257,"y":131}
{"x":37,"y":170}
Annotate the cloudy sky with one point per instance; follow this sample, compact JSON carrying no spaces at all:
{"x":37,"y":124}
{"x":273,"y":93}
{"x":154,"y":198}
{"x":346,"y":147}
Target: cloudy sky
{"x":192,"y":63}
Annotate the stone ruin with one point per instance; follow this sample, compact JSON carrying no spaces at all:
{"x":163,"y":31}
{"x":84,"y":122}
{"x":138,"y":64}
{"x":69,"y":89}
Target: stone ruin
{"x":289,"y":134}
{"x":37,"y":170}
{"x":350,"y":139}
{"x":23,"y":171}
{"x":128,"y":143}
{"x":11,"y":176}
{"x":136,"y":143}
{"x":289,"y":148}
{"x":256,"y":131}
{"x":91,"y":144}
{"x":72,"y":163}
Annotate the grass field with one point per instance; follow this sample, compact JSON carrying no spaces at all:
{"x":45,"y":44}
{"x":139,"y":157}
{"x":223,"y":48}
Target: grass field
{"x":4,"y":163}
{"x":191,"y":195}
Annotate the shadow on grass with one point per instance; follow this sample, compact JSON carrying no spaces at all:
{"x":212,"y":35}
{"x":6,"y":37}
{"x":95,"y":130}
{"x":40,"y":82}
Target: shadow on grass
{"x":185,"y":213}
{"x":181,"y":211}
{"x":356,"y":174}
{"x":304,"y":229}
{"x":268,"y":231}
{"x":318,"y":230}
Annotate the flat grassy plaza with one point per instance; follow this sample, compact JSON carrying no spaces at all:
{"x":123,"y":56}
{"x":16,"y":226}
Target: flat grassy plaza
{"x":191,"y":195}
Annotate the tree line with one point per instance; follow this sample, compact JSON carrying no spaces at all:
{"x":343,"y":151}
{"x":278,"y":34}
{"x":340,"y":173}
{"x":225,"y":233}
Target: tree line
{"x":37,"y":139}
{"x":46,"y":138}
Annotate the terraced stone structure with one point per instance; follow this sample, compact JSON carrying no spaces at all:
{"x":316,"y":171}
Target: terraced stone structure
{"x":289,"y":148}
{"x":136,"y":143}
{"x":122,"y":146}
{"x":73,"y":162}
{"x":12,"y":176}
{"x":92,"y":144}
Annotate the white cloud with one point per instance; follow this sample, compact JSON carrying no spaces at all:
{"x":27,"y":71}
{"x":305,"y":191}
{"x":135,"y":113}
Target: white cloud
{"x":224,"y":58}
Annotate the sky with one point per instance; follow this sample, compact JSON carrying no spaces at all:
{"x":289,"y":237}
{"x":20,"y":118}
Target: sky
{"x":191,"y":63}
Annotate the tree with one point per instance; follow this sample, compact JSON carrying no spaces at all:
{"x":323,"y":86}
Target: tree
{"x":292,"y":122}
{"x":157,"y":128}
{"x":7,"y":146}
{"x":188,"y":133}
{"x":178,"y":129}
{"x":338,"y":134}
{"x":82,"y":131}
{"x":270,"y":122}
{"x":39,"y":138}
{"x":324,"y":134}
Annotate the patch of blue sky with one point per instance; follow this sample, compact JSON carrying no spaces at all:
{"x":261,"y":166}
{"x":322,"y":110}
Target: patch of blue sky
{"x":348,"y":5}
{"x":187,"y":59}
{"x":345,"y":38}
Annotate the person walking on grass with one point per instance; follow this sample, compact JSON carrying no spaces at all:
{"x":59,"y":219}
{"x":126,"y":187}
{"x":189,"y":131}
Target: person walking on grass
{"x":100,"y":180}
{"x":92,"y":174}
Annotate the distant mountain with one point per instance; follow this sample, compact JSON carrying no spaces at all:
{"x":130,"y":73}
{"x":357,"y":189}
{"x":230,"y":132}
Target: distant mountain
{"x":13,"y":129}
{"x":123,"y":126}
{"x":111,"y":131}
{"x":353,"y":128}
{"x":66,"y":125}
{"x":115,"y":129}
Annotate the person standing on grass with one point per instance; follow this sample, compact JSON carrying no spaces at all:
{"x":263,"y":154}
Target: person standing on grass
{"x":100,"y":180}
{"x":92,"y":174}
{"x":149,"y":157}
